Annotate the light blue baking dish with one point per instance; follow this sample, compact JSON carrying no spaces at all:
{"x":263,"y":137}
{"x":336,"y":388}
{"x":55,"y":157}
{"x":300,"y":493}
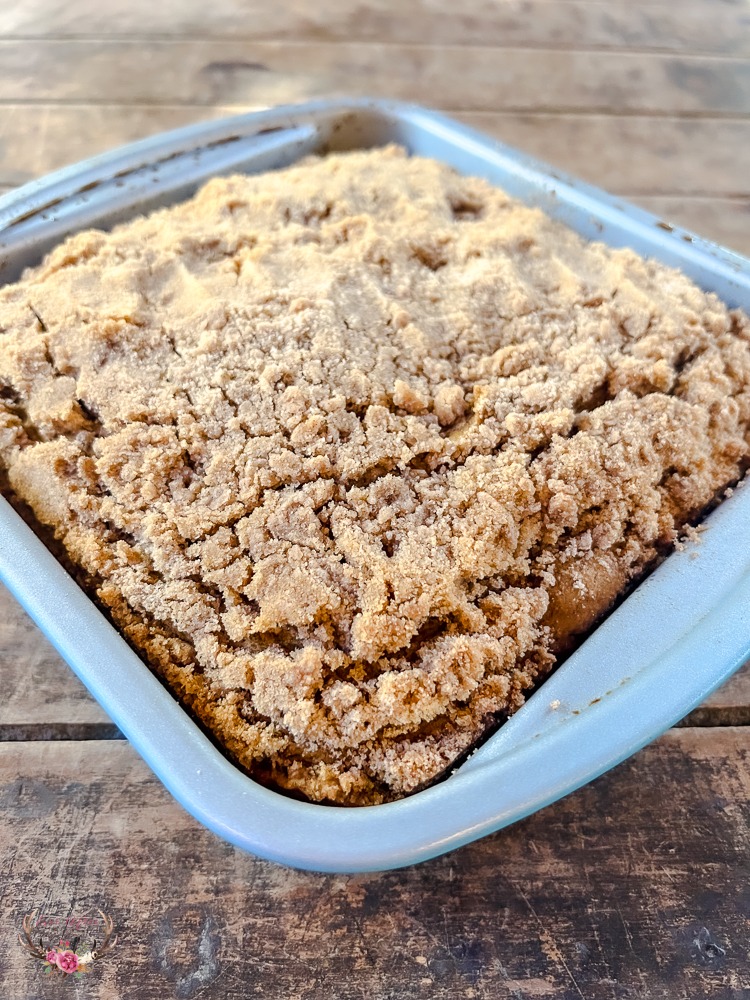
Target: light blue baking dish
{"x":677,"y":637}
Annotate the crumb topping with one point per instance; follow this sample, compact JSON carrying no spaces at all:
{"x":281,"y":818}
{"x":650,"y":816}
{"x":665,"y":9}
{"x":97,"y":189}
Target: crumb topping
{"x":353,"y":451}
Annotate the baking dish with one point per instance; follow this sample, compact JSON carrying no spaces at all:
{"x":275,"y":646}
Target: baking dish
{"x":677,"y":636}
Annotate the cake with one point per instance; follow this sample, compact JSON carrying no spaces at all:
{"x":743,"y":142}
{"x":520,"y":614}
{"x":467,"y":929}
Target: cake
{"x":354,"y":452}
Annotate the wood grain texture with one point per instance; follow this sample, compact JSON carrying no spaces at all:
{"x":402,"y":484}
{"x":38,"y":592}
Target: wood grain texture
{"x":633,"y":155}
{"x":457,"y":77}
{"x":562,"y":905}
{"x":634,"y":888}
{"x":728,"y":706}
{"x":710,"y":29}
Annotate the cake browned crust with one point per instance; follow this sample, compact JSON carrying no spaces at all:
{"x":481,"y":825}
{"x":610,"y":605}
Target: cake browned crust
{"x":351,"y":452}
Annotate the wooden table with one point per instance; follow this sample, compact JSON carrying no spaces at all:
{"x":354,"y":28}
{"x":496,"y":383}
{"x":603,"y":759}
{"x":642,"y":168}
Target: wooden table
{"x":634,"y":887}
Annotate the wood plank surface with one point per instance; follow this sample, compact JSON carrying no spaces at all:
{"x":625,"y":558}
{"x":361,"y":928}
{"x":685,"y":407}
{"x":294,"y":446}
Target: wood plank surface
{"x":456,"y":77}
{"x":562,"y":905}
{"x":711,"y":28}
{"x":634,"y":888}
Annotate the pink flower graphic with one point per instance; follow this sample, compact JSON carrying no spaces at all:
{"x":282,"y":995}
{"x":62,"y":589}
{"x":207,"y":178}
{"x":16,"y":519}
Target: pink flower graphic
{"x":61,"y":958}
{"x":67,"y":961}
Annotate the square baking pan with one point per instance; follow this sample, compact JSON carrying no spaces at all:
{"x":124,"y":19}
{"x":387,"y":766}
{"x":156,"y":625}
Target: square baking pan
{"x":678,"y":635}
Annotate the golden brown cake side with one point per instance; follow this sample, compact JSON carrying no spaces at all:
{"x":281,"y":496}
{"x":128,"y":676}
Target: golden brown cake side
{"x":351,"y":451}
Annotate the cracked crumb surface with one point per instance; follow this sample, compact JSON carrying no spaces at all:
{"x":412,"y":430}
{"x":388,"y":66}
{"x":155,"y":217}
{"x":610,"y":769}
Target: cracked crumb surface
{"x":351,"y":452}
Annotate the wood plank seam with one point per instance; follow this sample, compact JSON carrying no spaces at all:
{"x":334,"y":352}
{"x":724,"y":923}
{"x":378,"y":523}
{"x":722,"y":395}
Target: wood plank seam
{"x":187,"y":38}
{"x":539,"y":111}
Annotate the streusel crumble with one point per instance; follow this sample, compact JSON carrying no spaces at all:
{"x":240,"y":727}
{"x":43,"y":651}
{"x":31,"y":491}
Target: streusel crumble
{"x":353,"y":451}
